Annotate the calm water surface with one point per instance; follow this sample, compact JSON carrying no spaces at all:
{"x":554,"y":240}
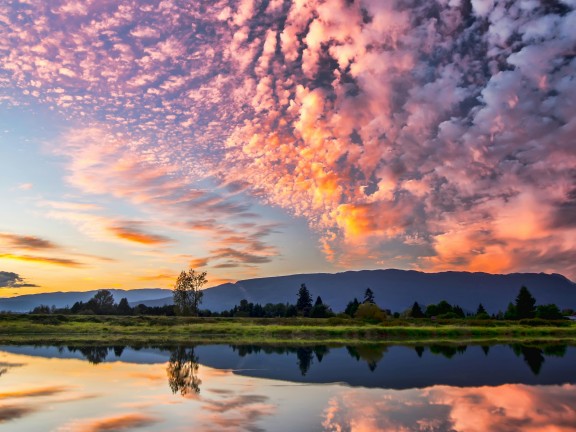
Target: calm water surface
{"x":319,"y":388}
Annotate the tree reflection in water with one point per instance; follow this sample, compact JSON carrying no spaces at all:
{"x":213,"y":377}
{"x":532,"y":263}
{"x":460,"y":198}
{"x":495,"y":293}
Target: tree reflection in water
{"x":304,"y":355}
{"x":183,"y":364}
{"x":182,"y":371}
{"x":370,"y":353}
{"x":94,"y":354}
{"x":118,"y":350}
{"x":532,"y":356}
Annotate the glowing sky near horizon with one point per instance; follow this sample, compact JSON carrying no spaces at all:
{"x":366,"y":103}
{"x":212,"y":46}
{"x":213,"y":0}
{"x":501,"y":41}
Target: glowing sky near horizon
{"x":254,"y":138}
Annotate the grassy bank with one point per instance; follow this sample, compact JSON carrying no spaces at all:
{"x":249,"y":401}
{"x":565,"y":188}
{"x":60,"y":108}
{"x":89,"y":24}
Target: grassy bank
{"x":55,"y":328}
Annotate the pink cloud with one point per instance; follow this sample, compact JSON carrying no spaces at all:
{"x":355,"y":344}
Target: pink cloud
{"x":501,"y":408}
{"x":377,"y":122}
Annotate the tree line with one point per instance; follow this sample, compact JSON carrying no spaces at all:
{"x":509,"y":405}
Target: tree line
{"x":103,"y":303}
{"x":524,"y":307}
{"x":187,"y":297}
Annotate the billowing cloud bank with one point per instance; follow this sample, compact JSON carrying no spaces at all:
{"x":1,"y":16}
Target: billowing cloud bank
{"x":435,"y":134}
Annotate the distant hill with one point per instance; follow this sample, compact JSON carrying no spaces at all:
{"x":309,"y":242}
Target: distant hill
{"x":393,"y":289}
{"x":26,"y":303}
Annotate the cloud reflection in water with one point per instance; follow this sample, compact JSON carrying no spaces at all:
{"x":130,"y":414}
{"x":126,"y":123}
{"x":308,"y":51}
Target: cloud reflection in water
{"x":180,"y":389}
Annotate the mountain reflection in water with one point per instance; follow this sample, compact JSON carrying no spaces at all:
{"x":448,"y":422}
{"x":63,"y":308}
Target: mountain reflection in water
{"x":366,"y":387}
{"x":369,"y":365}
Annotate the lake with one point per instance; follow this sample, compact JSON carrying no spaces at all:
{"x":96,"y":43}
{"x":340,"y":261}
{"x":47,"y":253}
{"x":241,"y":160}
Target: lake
{"x":288,"y":388}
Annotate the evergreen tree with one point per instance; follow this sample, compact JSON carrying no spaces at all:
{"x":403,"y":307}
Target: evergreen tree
{"x":320,"y":310}
{"x":258,"y":311}
{"x":481,"y":312}
{"x":304,"y":303}
{"x":458,"y":311}
{"x":416,"y":311}
{"x":511,"y":313}
{"x":123,"y":307}
{"x":291,"y":311}
{"x":368,"y":296}
{"x":352,"y":307}
{"x":525,"y":304}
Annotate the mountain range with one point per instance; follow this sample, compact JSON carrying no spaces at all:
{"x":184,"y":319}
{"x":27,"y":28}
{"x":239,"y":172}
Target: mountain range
{"x":26,"y":303}
{"x":393,"y":289}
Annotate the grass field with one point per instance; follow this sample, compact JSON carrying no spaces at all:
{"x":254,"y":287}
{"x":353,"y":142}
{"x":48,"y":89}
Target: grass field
{"x":61,"y":328}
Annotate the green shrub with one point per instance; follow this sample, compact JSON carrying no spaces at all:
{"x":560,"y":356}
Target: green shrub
{"x":369,"y":312}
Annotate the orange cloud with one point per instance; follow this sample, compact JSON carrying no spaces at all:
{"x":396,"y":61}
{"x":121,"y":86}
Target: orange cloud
{"x":136,"y":235}
{"x":119,"y":422}
{"x":34,"y":392}
{"x":161,"y":276}
{"x":43,"y":260}
{"x":198,"y":262}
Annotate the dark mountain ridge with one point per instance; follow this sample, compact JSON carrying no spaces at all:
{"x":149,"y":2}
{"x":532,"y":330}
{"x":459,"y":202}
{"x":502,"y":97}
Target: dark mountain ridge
{"x":398,"y":289}
{"x":393,"y":289}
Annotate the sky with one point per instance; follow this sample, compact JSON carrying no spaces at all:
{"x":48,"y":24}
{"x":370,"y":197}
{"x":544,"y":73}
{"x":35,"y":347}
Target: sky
{"x":256,"y":138}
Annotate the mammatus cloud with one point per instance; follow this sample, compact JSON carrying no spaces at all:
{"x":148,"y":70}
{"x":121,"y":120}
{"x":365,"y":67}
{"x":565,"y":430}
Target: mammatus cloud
{"x":13,"y":280}
{"x":435,"y":135}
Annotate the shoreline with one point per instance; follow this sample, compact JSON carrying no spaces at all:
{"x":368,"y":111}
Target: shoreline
{"x":71,"y":328}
